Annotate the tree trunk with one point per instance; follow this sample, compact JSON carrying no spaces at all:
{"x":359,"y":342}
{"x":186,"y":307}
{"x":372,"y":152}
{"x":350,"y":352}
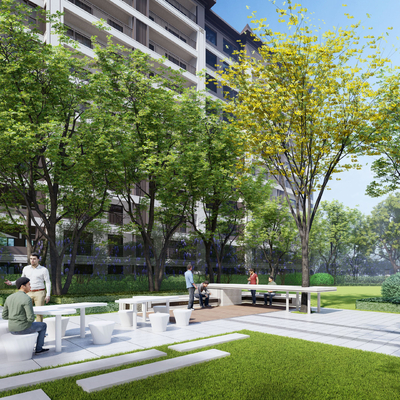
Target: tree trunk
{"x":207,"y":246}
{"x":304,"y":267}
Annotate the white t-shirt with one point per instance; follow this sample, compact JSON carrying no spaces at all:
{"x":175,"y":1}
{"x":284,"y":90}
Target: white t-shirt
{"x":38,"y":277}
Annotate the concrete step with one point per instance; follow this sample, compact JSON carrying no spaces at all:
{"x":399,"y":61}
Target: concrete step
{"x":198,"y":344}
{"x":100,"y":382}
{"x":32,"y":395}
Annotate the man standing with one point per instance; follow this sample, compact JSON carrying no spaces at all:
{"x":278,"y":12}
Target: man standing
{"x":38,"y":276}
{"x":253,"y":280}
{"x":203,"y":294}
{"x":190,"y":286}
{"x":18,"y":310}
{"x":270,"y":293}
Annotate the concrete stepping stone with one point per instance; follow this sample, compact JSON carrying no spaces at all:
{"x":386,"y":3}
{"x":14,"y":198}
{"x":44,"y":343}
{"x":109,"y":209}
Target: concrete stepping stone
{"x":199,"y":344}
{"x":105,"y":381}
{"x":32,"y":395}
{"x":34,"y":378}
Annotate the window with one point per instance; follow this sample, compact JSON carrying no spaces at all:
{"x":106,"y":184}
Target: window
{"x":82,"y":5}
{"x":229,"y":93}
{"x":116,"y":245}
{"x":79,"y":37}
{"x":115,"y":270}
{"x":229,"y":49}
{"x":80,"y":269}
{"x":115,"y":25}
{"x":115,"y":214}
{"x":225,"y":65}
{"x":211,"y":84}
{"x":211,"y":59}
{"x":211,"y":35}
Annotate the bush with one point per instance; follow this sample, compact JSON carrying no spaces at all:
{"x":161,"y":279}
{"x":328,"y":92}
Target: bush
{"x":391,"y":286}
{"x":349,"y":280}
{"x":289,"y":279}
{"x":321,"y":279}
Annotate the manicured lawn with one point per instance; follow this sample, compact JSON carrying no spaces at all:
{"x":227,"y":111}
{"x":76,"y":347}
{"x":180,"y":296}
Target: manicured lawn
{"x":346,"y":296}
{"x":262,"y":367}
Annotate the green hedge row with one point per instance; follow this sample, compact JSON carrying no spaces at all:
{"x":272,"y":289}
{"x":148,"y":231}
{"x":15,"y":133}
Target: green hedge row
{"x":379,"y":304}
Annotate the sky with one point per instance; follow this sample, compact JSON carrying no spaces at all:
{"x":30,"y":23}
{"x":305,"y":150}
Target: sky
{"x":350,"y":189}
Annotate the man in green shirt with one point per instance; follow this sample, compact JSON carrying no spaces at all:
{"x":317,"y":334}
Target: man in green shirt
{"x":18,"y":310}
{"x":270,"y":294}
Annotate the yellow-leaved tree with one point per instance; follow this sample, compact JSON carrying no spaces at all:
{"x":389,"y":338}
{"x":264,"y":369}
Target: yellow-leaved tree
{"x":307,"y":108}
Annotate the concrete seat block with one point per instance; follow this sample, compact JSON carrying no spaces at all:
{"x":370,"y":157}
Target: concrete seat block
{"x":182,"y":317}
{"x":19,"y":347}
{"x":101,"y":331}
{"x":32,"y":395}
{"x":159,"y":322}
{"x":127,"y":318}
{"x":51,"y":327}
{"x":160,"y":309}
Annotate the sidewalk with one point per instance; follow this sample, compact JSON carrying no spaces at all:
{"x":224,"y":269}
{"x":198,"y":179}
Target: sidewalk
{"x":372,"y":331}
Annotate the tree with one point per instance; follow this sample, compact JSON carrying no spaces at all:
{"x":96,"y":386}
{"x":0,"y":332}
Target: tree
{"x":145,"y":120}
{"x":50,"y":155}
{"x":272,"y":230}
{"x":385,"y":223}
{"x":305,"y":104}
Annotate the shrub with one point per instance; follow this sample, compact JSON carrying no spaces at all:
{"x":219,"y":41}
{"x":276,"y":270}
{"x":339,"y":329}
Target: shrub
{"x":289,"y":279}
{"x":391,"y":286}
{"x":321,"y":279}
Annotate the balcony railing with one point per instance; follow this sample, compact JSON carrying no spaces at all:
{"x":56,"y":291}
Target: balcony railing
{"x":172,"y":57}
{"x":170,"y":28}
{"x":99,"y":13}
{"x":182,"y":9}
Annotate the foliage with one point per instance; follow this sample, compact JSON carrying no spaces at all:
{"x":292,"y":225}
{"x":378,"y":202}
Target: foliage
{"x":347,"y":374}
{"x":321,"y":279}
{"x":385,"y":225}
{"x":289,"y":279}
{"x":350,"y":280}
{"x":379,"y":304}
{"x":391,"y":286}
{"x":308,"y":106}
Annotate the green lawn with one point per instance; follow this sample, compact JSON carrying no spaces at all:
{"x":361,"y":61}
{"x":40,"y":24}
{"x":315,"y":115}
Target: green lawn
{"x":346,"y":296}
{"x":262,"y":367}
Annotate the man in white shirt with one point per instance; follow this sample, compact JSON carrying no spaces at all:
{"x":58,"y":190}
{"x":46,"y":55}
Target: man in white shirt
{"x":38,"y":276}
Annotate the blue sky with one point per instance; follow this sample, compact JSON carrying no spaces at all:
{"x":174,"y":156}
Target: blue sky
{"x":350,"y":189}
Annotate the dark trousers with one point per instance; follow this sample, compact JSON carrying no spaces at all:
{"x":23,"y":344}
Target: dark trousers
{"x":203,"y":298}
{"x":40,"y":328}
{"x":191,"y":297}
{"x":270,"y":295}
{"x":253,"y":295}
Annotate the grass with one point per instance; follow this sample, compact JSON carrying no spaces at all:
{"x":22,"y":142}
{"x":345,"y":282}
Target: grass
{"x":262,"y":367}
{"x":346,"y":296}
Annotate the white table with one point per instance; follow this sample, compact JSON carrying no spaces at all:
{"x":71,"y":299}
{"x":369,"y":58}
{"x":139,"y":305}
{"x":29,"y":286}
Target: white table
{"x":145,"y":300}
{"x":54,"y":310}
{"x":230,"y":294}
{"x":82,"y":307}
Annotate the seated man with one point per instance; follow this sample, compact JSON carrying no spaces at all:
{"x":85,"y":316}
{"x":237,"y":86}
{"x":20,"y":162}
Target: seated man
{"x":270,"y":293}
{"x":18,"y":310}
{"x":203,"y":294}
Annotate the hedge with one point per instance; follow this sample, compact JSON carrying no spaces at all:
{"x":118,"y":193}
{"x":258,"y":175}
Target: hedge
{"x":379,"y":304}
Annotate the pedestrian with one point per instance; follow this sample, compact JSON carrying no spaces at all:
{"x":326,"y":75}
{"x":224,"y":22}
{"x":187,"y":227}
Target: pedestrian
{"x":190,"y":285}
{"x":253,"y":280}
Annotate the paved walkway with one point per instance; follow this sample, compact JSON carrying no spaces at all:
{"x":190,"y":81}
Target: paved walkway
{"x":372,"y":331}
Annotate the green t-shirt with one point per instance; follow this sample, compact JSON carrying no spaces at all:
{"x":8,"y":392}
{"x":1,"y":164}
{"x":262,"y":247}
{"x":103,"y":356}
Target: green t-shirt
{"x":272,"y":283}
{"x":18,"y":310}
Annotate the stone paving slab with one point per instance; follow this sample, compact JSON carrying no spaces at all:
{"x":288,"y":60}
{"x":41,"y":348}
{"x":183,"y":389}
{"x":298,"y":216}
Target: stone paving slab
{"x":199,"y":344}
{"x":33,"y":395}
{"x":100,"y":382}
{"x":34,"y":378}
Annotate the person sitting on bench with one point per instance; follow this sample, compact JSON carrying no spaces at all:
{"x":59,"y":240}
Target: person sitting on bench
{"x":203,"y":294}
{"x":270,"y":294}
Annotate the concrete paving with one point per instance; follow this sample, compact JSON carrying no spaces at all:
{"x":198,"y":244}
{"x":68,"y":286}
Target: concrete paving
{"x":364,"y":330}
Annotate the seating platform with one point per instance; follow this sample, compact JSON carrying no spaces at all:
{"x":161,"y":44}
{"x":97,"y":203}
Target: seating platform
{"x":199,"y":344}
{"x":34,"y":378}
{"x":33,"y":395}
{"x":100,"y":382}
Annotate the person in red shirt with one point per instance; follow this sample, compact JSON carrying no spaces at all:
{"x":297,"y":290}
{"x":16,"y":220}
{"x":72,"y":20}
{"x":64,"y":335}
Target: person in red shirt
{"x":253,"y":279}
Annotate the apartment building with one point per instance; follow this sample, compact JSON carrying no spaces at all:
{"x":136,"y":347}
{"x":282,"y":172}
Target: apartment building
{"x":192,"y":38}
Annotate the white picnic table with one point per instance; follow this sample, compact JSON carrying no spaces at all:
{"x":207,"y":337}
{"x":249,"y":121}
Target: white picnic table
{"x":231,"y":293}
{"x":57,"y":312}
{"x":145,"y":301}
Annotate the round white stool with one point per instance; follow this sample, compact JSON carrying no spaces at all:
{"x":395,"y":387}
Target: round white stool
{"x":159,"y":322}
{"x":19,"y":347}
{"x":3,"y":331}
{"x":51,"y":327}
{"x":160,"y":309}
{"x":127,"y":318}
{"x":182,"y":317}
{"x":101,"y":331}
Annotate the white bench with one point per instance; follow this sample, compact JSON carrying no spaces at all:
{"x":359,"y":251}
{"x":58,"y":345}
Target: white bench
{"x":101,"y":331}
{"x":260,"y":295}
{"x":19,"y":347}
{"x":182,"y":317}
{"x":159,"y":322}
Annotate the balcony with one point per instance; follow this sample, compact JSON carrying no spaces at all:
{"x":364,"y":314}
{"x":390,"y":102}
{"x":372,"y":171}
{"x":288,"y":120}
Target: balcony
{"x":172,"y":57}
{"x":182,"y":9}
{"x":170,"y":28}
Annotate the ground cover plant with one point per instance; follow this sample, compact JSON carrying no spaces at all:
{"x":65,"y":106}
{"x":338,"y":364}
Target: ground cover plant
{"x":299,"y":370}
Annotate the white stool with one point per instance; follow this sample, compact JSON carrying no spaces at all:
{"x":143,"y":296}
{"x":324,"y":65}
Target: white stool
{"x":182,"y":317}
{"x":51,"y":327}
{"x":3,"y":331}
{"x":128,"y":318}
{"x":161,"y":309}
{"x":101,"y":331}
{"x":19,"y":347}
{"x":159,"y":322}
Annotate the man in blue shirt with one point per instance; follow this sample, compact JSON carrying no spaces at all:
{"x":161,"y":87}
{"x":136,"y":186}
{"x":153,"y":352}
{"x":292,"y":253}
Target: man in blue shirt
{"x":190,"y":286}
